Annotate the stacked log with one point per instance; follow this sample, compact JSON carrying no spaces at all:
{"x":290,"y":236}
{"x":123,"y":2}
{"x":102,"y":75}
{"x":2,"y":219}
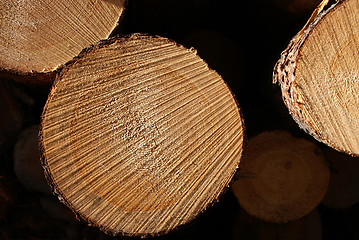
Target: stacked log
{"x":317,"y":74}
{"x":38,"y":37}
{"x":139,"y":136}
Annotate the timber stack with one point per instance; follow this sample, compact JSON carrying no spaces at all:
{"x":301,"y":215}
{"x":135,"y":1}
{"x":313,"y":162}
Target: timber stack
{"x":152,"y":117}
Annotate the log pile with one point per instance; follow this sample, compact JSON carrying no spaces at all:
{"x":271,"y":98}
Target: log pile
{"x":131,"y":118}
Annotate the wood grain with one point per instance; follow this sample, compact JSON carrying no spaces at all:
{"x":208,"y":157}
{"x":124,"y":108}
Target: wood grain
{"x":139,"y":136}
{"x":318,"y":75}
{"x":40,"y":36}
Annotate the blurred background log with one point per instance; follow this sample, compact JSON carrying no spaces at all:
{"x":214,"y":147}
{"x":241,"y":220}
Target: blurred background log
{"x":262,"y":107}
{"x":281,"y":178}
{"x":38,"y":37}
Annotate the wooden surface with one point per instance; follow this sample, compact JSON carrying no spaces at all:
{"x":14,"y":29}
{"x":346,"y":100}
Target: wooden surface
{"x":140,"y":136}
{"x":40,"y":36}
{"x":281,"y":178}
{"x":260,"y":101}
{"x":318,"y":76}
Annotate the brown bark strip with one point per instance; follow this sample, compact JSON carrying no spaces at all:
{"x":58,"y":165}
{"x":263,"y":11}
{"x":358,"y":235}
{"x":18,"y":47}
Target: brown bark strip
{"x":311,"y":86}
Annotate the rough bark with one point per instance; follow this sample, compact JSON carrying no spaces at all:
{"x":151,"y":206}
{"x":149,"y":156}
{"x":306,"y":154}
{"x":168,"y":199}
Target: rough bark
{"x":317,"y":74}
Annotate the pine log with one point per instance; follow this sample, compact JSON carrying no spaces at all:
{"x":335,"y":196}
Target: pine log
{"x":343,"y":190}
{"x":246,"y":227}
{"x":281,"y":178}
{"x":318,"y":75}
{"x":139,"y":135}
{"x":37,"y":37}
{"x":27,"y":164}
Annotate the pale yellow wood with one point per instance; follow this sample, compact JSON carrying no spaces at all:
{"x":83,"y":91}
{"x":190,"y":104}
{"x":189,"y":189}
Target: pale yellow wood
{"x":281,"y":178}
{"x":318,"y":73}
{"x":39,"y":36}
{"x":140,"y":136}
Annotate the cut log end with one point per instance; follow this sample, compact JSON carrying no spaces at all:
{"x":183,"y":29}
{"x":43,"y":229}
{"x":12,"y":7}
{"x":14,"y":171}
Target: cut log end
{"x":38,"y":37}
{"x":281,"y":178}
{"x":318,"y":75}
{"x":139,"y":136}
